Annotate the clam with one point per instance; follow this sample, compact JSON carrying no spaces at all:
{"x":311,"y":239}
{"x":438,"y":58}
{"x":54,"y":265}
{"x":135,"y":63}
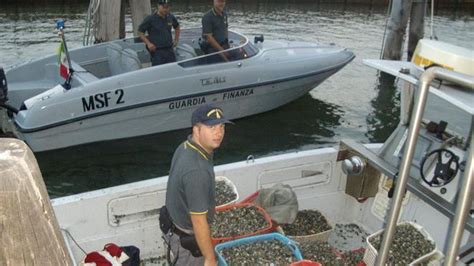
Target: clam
{"x":224,"y":193}
{"x":307,"y":222}
{"x":408,"y":245}
{"x":238,"y":221}
{"x":270,"y":252}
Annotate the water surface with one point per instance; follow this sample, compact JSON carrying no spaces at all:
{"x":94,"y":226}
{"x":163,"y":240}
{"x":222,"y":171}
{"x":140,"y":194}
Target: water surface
{"x":354,"y":103}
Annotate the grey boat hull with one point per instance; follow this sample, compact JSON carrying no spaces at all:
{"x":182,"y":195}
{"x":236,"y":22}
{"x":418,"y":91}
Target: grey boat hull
{"x":106,"y":103}
{"x":170,"y":115}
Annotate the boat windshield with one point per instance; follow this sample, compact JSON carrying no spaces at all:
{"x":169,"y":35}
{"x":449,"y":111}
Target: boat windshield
{"x":240,"y":49}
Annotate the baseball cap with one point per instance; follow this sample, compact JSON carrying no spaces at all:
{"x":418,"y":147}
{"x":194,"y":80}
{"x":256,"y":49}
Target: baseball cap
{"x":209,"y":115}
{"x":163,"y":2}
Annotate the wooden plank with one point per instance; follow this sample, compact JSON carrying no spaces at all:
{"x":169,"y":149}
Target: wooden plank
{"x":140,"y":9}
{"x":29,"y":232}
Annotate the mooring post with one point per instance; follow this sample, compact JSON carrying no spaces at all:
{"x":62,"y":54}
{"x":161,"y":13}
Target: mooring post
{"x":29,"y":231}
{"x":140,"y":9}
{"x":417,"y":24}
{"x":396,"y":29}
{"x":108,"y":20}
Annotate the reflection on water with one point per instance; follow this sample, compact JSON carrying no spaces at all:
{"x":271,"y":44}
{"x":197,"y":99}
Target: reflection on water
{"x":355,"y":103}
{"x":384,"y":117}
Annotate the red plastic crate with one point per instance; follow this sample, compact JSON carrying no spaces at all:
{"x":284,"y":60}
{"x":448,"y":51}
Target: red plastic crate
{"x":268,"y":229}
{"x":250,"y":198}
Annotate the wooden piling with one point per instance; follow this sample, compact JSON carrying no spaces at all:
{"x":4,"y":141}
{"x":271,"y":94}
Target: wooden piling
{"x":396,"y":29}
{"x":417,"y":24}
{"x":108,"y":19}
{"x":139,"y":9}
{"x":29,"y":231}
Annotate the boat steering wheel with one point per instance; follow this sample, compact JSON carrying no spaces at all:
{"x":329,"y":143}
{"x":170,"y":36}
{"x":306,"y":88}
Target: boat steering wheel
{"x":444,"y":171}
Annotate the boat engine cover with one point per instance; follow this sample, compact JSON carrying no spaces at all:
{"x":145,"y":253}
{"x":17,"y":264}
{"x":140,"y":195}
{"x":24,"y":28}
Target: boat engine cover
{"x":3,"y":86}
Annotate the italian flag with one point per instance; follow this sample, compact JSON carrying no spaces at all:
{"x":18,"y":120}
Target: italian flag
{"x":62,"y":61}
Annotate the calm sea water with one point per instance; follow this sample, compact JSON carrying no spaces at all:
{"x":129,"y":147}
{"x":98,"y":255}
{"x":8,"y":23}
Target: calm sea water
{"x":355,"y":103}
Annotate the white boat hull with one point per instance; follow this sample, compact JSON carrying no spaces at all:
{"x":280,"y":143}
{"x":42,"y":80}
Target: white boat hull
{"x":169,"y":115}
{"x":128,"y":214}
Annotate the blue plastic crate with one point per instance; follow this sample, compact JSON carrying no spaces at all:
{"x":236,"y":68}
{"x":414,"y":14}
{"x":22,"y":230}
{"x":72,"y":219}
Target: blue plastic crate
{"x":272,"y":236}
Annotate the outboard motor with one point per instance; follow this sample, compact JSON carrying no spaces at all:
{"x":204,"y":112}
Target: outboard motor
{"x":3,"y":86}
{"x":4,"y":92}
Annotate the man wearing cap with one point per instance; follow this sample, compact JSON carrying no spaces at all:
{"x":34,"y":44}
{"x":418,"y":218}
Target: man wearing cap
{"x":190,"y":192}
{"x":215,"y":29}
{"x":159,"y":41}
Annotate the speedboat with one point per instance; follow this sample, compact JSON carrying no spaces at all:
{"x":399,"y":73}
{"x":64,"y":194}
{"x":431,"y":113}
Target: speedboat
{"x":423,"y":174}
{"x":115,"y":93}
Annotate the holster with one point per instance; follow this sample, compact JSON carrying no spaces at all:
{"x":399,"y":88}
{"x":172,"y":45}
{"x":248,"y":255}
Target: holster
{"x":165,"y":221}
{"x":187,"y":241}
{"x":204,"y":45}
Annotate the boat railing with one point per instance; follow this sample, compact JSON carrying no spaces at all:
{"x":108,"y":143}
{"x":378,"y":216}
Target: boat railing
{"x":465,"y":194}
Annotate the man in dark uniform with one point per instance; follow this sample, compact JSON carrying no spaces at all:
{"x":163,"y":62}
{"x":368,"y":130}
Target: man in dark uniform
{"x":215,"y":29}
{"x":159,"y":41}
{"x":190,"y":192}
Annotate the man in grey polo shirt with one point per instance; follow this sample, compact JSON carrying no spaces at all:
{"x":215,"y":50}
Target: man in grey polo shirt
{"x":190,"y":192}
{"x":215,"y":29}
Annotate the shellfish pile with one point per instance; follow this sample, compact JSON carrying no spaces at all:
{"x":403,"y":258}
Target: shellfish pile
{"x":321,"y":252}
{"x":307,"y":222}
{"x":224,"y":193}
{"x":344,"y":246}
{"x":353,"y":257}
{"x":408,"y":245}
{"x":238,"y":221}
{"x":270,"y":252}
{"x":346,"y":237}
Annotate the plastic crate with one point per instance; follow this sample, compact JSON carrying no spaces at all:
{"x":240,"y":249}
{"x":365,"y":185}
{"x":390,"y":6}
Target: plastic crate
{"x":306,"y":263}
{"x":321,"y":236}
{"x":251,"y":198}
{"x":265,"y":237}
{"x":234,"y":188}
{"x":267,"y":229}
{"x":371,"y":253}
{"x":436,"y":259}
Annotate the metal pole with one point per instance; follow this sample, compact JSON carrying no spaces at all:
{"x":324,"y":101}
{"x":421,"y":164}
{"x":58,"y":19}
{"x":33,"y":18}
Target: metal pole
{"x":432,"y":14}
{"x":61,"y":32}
{"x":410,"y":145}
{"x":462,"y":209}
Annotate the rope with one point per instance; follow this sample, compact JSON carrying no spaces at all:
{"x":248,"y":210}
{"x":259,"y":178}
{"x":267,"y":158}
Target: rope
{"x":74,"y":240}
{"x":385,"y":30}
{"x":90,"y":25}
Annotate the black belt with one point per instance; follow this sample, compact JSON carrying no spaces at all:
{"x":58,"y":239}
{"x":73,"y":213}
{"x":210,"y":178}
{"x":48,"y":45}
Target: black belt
{"x":178,"y":232}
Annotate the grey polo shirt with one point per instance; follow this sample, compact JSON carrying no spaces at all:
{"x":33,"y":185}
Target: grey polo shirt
{"x":191,"y":185}
{"x":216,"y":25}
{"x":159,"y":29}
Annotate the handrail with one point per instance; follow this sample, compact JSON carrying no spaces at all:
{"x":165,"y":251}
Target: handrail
{"x":462,"y":209}
{"x":413,"y":130}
